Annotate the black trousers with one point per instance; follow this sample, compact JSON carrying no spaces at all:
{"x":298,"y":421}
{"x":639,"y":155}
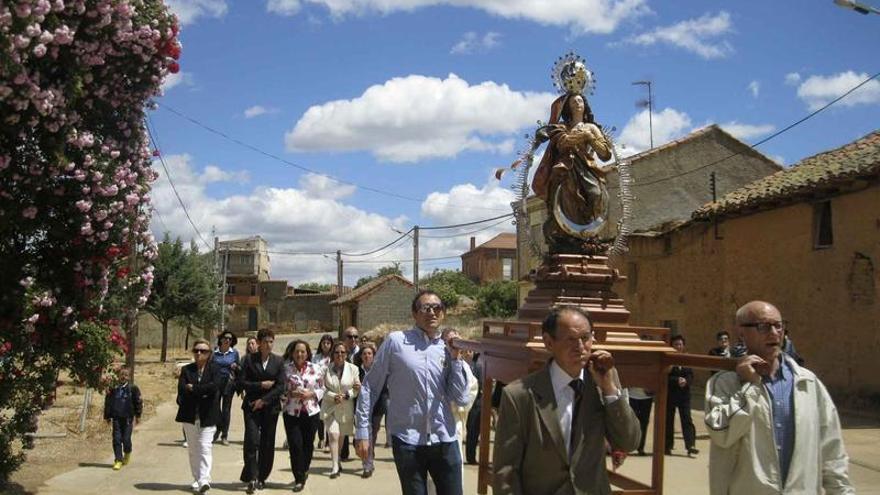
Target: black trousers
{"x":300,"y":432}
{"x":259,"y":444}
{"x":473,"y":431}
{"x":683,"y":404}
{"x":642,"y":408}
{"x":415,"y":462}
{"x":225,"y":413}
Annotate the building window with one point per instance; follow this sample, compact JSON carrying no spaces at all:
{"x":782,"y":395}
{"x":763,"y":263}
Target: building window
{"x":230,"y":289}
{"x":507,"y":268}
{"x":823,"y":235}
{"x":253,"y":289}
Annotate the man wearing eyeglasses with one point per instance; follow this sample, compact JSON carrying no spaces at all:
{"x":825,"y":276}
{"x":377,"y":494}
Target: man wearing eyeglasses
{"x":773,"y":425}
{"x":425,"y":379}
{"x":553,"y":424}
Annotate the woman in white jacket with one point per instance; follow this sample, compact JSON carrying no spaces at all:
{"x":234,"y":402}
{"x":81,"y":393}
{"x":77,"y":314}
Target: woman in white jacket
{"x":341,"y":386}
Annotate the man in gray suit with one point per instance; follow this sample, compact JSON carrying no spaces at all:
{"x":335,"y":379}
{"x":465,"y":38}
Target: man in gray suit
{"x":552,"y":424}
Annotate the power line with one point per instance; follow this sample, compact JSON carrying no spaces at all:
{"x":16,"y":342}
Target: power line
{"x":442,"y":227}
{"x":151,"y":131}
{"x":405,"y":261}
{"x":379,"y":249}
{"x":462,"y":234}
{"x":298,"y":166}
{"x":768,"y":138}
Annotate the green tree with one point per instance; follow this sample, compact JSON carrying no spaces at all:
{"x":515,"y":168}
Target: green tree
{"x":497,"y":299}
{"x":183,"y":288}
{"x":392,"y":269}
{"x":450,"y":285}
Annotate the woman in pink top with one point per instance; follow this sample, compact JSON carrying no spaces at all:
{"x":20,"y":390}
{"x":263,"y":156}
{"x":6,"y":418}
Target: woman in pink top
{"x":304,"y":387}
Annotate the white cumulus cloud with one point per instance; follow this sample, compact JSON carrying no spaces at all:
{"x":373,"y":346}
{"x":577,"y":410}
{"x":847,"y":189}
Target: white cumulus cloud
{"x":257,"y":110}
{"x":747,"y":131}
{"x":579,"y":16}
{"x":668,"y":124}
{"x":413,"y":118}
{"x":755,"y":88}
{"x":817,"y":91}
{"x":188,"y":11}
{"x":792,"y":79}
{"x":472,"y":42}
{"x":321,"y":223}
{"x":701,"y":36}
{"x":173,"y":80}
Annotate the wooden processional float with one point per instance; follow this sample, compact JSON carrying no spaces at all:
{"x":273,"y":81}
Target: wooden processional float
{"x":512,"y":349}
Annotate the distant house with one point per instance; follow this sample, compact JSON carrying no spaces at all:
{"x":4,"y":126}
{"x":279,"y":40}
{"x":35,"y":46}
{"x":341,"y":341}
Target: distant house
{"x":493,"y":260}
{"x":245,"y":262}
{"x":806,"y":238}
{"x":384,"y":300}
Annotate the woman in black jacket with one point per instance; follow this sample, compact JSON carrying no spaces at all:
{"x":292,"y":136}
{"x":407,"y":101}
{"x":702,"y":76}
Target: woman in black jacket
{"x":199,"y":410}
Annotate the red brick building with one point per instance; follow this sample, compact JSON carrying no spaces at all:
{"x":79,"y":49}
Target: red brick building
{"x":493,"y":260}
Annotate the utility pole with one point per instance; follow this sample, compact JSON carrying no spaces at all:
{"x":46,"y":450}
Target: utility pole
{"x":223,"y":287}
{"x":339,"y":287}
{"x":650,"y":104}
{"x":416,"y":257}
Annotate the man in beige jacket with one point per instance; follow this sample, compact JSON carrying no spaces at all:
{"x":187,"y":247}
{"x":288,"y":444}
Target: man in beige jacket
{"x":773,"y":426}
{"x":552,"y":424}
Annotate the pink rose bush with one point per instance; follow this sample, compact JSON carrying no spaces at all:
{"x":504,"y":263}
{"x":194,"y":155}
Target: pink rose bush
{"x":75,"y":79}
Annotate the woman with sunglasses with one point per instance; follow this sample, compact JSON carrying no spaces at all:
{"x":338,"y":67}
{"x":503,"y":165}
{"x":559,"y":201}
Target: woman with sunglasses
{"x":341,"y":386}
{"x":304,"y":387}
{"x":226,"y":358}
{"x":199,"y":411}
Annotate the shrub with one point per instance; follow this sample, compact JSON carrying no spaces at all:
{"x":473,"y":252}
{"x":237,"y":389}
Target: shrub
{"x":497,"y":299}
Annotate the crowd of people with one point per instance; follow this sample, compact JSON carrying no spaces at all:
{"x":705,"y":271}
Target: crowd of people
{"x":337,"y":395}
{"x":772,"y":425}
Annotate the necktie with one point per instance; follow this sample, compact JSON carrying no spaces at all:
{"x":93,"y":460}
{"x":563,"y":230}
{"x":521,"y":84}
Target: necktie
{"x":578,"y":386}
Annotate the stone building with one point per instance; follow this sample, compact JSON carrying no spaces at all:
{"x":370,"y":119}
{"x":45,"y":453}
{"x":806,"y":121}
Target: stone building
{"x":245,"y":263}
{"x":806,"y":238}
{"x":669,"y":183}
{"x":492,"y":260}
{"x":386,"y":299}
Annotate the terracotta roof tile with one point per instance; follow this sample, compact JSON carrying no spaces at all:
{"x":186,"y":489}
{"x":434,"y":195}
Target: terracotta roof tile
{"x":505,"y":240}
{"x":822,"y":171}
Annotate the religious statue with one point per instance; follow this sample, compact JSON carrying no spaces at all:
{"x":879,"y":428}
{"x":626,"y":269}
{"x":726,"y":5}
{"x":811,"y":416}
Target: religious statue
{"x":569,"y":179}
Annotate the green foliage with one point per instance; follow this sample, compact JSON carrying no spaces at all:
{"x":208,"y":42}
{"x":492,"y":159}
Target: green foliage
{"x":393,"y":269}
{"x":450,"y":285}
{"x":184,"y":289}
{"x":315,"y":286}
{"x":497,"y":299}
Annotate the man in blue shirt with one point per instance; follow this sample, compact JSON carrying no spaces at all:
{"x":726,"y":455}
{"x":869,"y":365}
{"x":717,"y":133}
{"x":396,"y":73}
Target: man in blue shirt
{"x":424,"y":378}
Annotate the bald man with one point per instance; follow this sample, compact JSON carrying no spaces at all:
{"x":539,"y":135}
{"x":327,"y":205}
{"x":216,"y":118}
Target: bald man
{"x":773,"y":426}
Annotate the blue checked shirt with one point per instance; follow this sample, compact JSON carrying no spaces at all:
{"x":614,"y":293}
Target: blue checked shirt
{"x":423,"y":381}
{"x":781,"y":390}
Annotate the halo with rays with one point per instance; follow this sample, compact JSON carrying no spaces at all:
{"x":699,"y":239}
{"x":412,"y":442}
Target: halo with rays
{"x":566,"y":66}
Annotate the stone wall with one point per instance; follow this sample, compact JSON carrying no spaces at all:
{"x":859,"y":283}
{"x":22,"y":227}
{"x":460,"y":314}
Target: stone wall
{"x":387,"y":304}
{"x":829,"y":296}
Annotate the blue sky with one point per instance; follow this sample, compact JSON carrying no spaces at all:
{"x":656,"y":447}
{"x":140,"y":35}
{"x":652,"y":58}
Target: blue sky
{"x":425,"y":98}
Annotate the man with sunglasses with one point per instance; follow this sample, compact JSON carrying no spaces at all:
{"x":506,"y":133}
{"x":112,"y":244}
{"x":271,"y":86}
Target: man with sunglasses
{"x":425,"y":379}
{"x":773,"y":425}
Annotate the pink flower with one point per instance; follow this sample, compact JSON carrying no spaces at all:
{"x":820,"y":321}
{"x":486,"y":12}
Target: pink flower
{"x":83,"y":205}
{"x":29,"y":212}
{"x":86,"y":229}
{"x":39,"y":50}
